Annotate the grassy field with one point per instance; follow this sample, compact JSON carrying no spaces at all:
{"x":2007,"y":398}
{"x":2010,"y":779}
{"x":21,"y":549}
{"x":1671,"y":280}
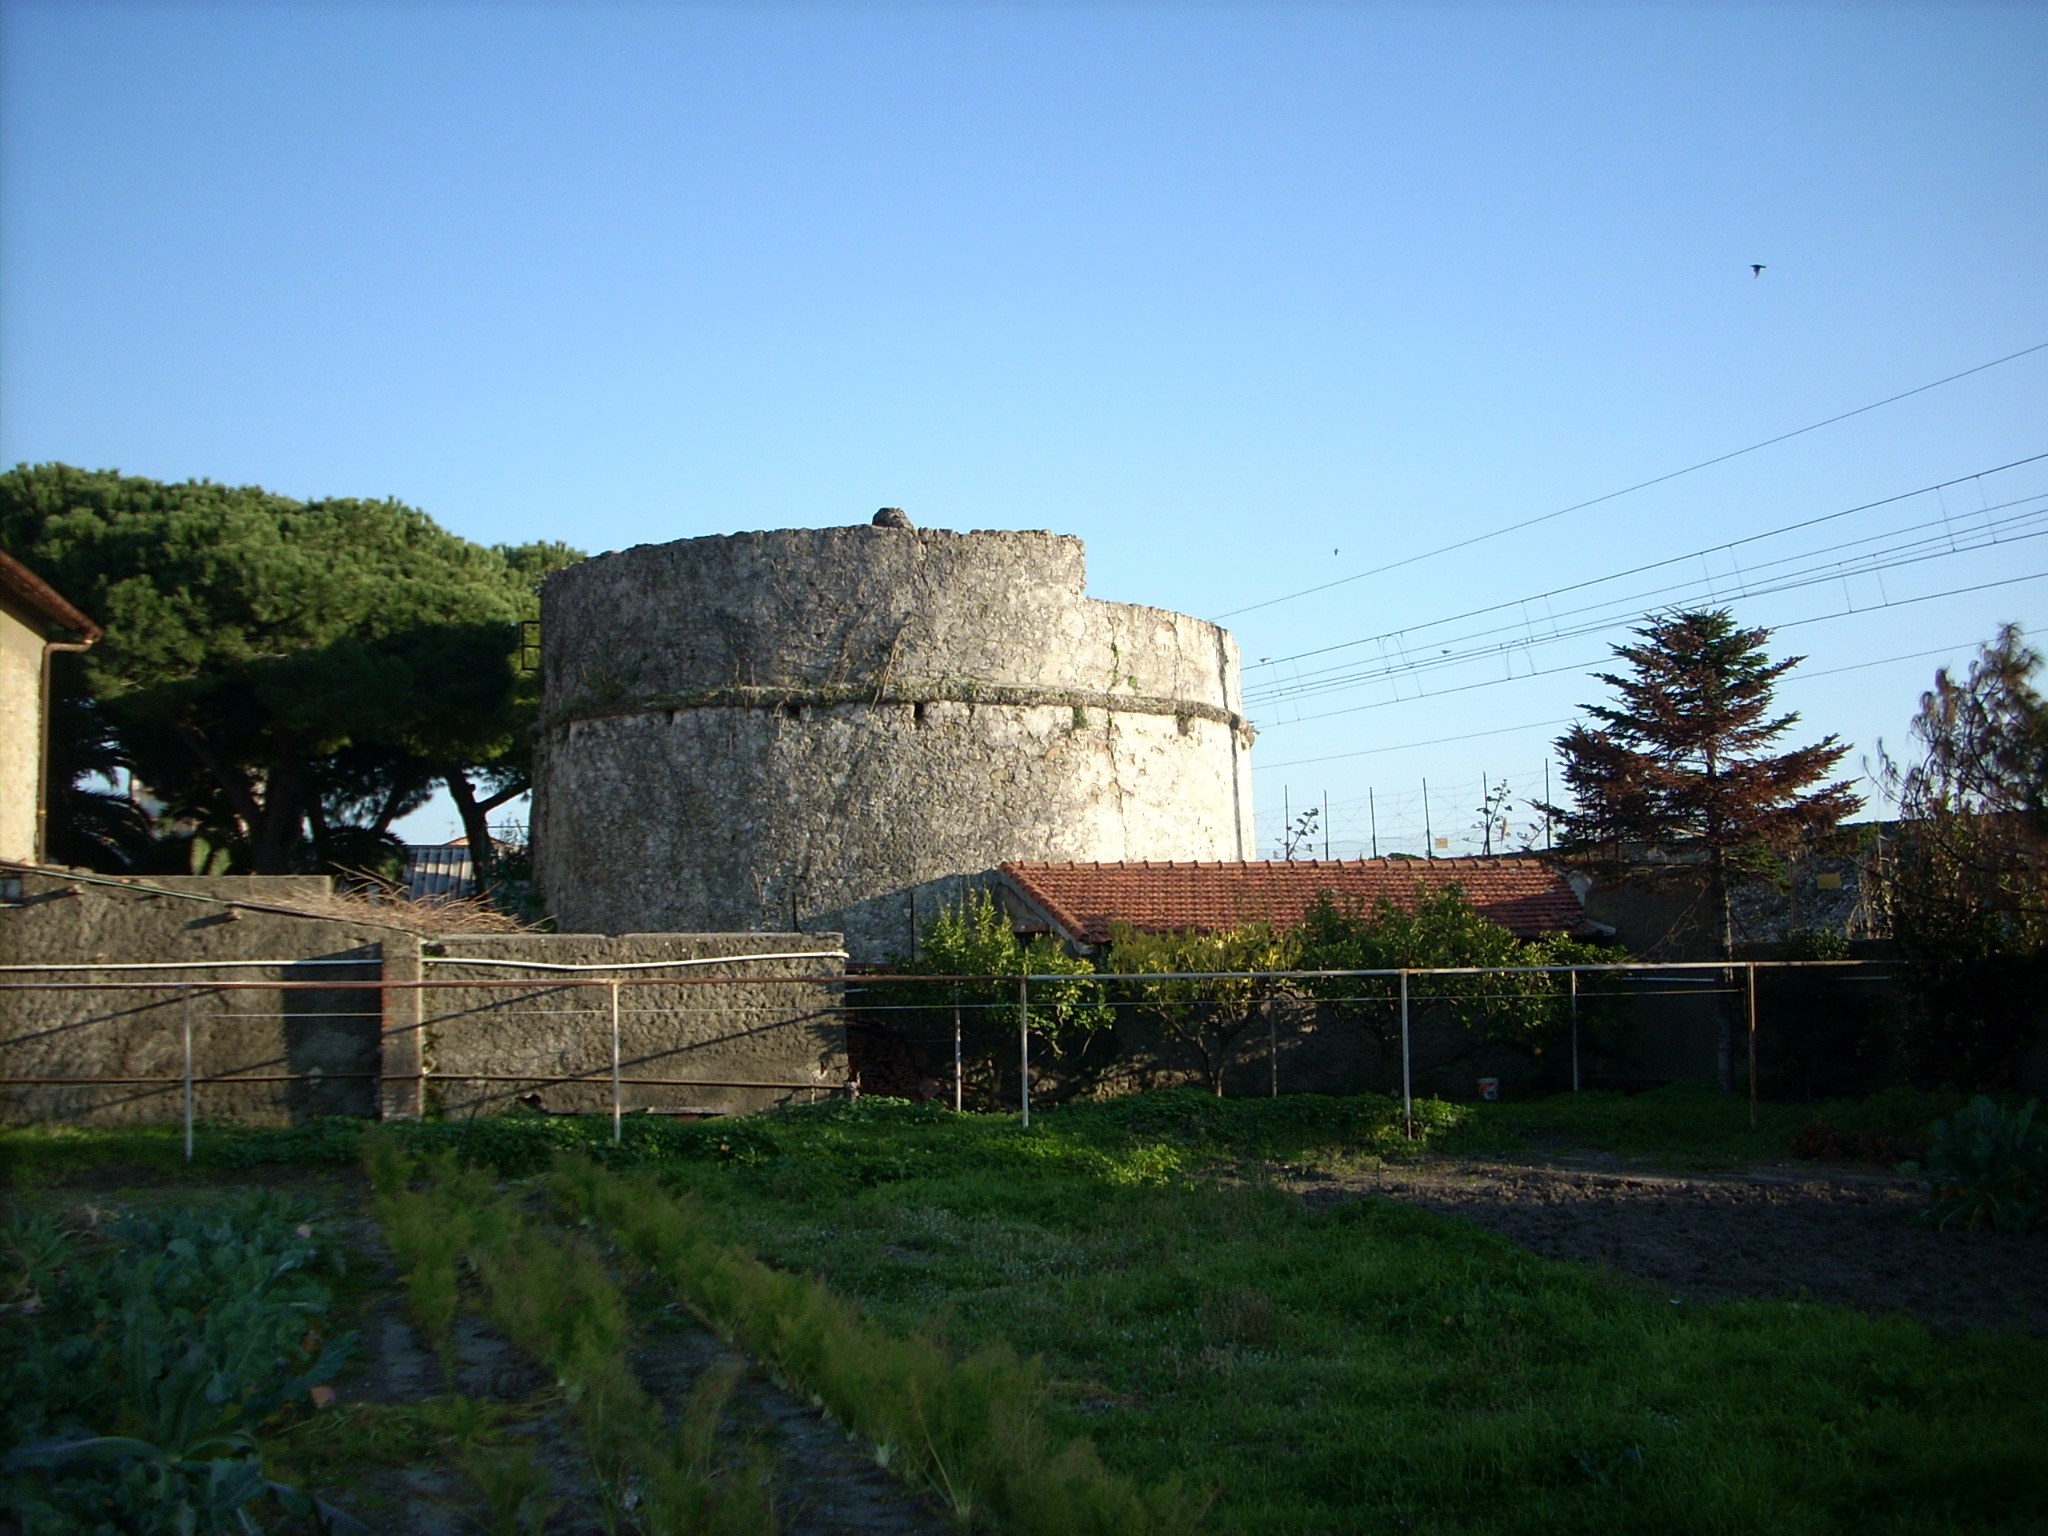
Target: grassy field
{"x":1366,"y":1368}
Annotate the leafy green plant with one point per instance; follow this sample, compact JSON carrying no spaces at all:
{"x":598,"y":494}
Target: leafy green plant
{"x":1527,"y":1009}
{"x":1989,"y":1168}
{"x":1211,"y":1018}
{"x":972,"y":939}
{"x":137,"y":1386}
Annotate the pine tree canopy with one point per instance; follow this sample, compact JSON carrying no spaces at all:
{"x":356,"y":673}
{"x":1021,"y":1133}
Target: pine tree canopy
{"x":1682,"y":755}
{"x":270,"y":663}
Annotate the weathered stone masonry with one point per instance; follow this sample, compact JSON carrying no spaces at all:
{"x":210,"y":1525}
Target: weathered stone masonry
{"x":832,"y":728}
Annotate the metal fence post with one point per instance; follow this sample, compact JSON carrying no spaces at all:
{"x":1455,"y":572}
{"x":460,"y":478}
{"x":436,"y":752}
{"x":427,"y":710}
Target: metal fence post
{"x":959,"y":1075}
{"x":185,"y":1001}
{"x":1407,"y":1083}
{"x":1024,"y":1046}
{"x":1752,"y":1045}
{"x":1575,"y":1030}
{"x":1272,"y":1051}
{"x":616,"y":1106}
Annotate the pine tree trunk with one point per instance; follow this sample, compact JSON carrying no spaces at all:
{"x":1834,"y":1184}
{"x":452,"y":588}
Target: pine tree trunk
{"x":476,"y":827}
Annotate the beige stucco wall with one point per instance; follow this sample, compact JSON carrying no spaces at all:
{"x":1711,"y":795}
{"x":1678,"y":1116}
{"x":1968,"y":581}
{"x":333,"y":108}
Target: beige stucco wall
{"x":21,"y":730}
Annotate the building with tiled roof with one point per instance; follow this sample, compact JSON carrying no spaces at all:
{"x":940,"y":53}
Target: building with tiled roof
{"x":32,"y":616}
{"x":1079,"y":902}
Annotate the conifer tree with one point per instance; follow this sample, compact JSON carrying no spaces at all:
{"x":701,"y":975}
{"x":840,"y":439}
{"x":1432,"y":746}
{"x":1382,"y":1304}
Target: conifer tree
{"x":271,"y":664}
{"x":1682,"y":759}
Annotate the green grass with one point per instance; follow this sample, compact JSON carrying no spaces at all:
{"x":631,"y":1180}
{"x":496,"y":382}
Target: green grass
{"x":1685,"y":1125}
{"x":1372,"y":1367}
{"x":1375,"y":1367}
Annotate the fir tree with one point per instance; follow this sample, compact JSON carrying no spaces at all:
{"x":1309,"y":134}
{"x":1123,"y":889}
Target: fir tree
{"x":1682,"y":759}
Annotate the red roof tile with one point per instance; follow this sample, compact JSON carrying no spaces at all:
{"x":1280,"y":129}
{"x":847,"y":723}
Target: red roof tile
{"x":1525,"y":896}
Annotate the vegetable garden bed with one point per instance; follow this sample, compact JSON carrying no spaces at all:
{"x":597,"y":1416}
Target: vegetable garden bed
{"x":1216,"y":1353}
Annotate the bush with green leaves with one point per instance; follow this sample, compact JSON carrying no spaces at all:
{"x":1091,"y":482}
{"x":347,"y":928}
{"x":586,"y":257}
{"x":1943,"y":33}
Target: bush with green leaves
{"x":1529,"y":1010}
{"x":1989,"y":1168}
{"x":144,"y":1364}
{"x":972,"y":940}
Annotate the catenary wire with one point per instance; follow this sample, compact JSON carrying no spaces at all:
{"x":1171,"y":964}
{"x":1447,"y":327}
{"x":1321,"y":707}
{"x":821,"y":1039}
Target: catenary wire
{"x":1596,"y":617}
{"x":1696,"y":554}
{"x":1492,"y":682}
{"x":1642,"y":485}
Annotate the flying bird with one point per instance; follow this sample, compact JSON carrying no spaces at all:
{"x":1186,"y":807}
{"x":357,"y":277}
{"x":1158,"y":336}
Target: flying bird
{"x":1756,"y":269}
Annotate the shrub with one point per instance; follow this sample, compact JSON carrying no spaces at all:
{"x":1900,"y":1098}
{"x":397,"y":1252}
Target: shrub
{"x":133,"y":1388}
{"x":1989,"y":1167}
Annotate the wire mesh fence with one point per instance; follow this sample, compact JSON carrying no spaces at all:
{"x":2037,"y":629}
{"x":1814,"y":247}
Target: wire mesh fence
{"x":222,"y":1040}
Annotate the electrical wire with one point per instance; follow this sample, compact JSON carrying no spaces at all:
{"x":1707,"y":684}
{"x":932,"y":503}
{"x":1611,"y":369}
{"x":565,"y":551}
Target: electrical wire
{"x":1697,"y":554}
{"x":2030,"y":525}
{"x":1494,"y":682}
{"x":1544,"y":725}
{"x":1641,"y":485}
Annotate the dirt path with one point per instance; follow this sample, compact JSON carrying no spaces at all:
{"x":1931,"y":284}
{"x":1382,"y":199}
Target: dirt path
{"x":1841,"y":1237}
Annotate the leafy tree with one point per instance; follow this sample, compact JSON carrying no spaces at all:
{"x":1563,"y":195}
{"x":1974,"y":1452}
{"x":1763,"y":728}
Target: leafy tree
{"x":271,"y":665}
{"x":971,"y":939}
{"x":1682,"y":759}
{"x":1966,"y":889}
{"x":1527,"y":1010}
{"x":1211,"y":1017}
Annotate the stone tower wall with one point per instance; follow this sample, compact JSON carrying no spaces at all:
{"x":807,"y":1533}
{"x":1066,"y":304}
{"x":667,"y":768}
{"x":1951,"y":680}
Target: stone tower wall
{"x":831,"y":728}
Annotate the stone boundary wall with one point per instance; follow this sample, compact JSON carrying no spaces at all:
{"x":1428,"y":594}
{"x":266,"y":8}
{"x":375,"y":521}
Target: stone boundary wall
{"x":302,"y":1053}
{"x":744,"y":1047}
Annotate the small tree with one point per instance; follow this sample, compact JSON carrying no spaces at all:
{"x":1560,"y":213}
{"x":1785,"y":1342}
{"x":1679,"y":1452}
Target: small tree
{"x":1966,"y":889}
{"x":1210,"y":1017}
{"x":971,"y":939}
{"x":1682,"y":758}
{"x":1527,"y":1009}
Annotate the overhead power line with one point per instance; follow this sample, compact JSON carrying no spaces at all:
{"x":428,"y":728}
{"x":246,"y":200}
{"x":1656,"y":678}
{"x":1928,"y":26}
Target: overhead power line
{"x":1494,"y":682}
{"x":1439,"y":741}
{"x":1761,"y":581}
{"x":1727,"y":548}
{"x":1628,"y":490}
{"x":1545,"y":725}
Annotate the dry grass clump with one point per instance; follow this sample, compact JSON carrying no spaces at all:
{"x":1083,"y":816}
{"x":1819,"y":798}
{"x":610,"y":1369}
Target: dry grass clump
{"x":414,"y":914}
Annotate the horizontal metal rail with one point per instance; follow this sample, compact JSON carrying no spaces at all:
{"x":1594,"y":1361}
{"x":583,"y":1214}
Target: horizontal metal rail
{"x":866,"y":981}
{"x":633,"y":965}
{"x":596,"y":1075}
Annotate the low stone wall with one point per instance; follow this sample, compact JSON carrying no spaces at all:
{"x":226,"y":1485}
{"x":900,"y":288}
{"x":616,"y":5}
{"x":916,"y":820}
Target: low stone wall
{"x":717,"y":1039}
{"x":292,"y":1054}
{"x":93,"y":1018}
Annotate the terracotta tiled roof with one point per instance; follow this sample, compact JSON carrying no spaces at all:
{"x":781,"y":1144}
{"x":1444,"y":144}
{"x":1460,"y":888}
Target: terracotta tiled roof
{"x":42,"y":599}
{"x":1526,"y":896}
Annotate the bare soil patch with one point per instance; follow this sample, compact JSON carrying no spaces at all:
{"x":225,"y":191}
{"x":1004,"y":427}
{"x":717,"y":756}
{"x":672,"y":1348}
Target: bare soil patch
{"x":1837,"y":1237}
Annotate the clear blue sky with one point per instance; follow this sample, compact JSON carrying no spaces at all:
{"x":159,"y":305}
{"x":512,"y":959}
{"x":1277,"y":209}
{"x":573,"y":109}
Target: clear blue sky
{"x":1251,"y":297}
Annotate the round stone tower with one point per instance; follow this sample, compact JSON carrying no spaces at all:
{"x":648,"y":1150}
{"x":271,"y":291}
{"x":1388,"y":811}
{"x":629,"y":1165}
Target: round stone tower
{"x":833,"y":728}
